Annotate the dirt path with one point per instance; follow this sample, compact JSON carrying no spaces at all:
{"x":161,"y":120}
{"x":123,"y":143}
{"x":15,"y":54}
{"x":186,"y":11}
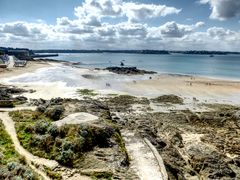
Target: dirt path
{"x":144,"y":161}
{"x":30,"y":159}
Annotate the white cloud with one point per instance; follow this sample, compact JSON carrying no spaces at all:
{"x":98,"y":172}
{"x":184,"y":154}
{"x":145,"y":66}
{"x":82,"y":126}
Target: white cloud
{"x":174,"y":30}
{"x":136,"y":30}
{"x":223,"y":9}
{"x":63,"y":21}
{"x":92,"y":11}
{"x":17,"y":29}
{"x":73,"y":34}
{"x":99,"y":8}
{"x":139,"y":12}
{"x":130,"y":30}
{"x":199,"y":24}
{"x":26,"y":30}
{"x":106,"y":30}
{"x":135,"y":12}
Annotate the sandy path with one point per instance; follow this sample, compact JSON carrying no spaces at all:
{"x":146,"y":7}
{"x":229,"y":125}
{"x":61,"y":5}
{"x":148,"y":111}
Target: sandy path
{"x":10,"y":128}
{"x":143,"y":161}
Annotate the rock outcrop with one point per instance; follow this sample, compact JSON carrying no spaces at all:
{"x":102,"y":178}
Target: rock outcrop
{"x":128,"y":70}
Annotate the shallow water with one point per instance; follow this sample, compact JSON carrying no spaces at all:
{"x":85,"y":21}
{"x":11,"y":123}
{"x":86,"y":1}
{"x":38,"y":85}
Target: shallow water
{"x":71,"y":77}
{"x":226,"y":67}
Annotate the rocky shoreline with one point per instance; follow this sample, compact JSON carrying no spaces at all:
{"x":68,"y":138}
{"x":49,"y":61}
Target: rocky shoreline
{"x":200,"y":144}
{"x":11,"y":96}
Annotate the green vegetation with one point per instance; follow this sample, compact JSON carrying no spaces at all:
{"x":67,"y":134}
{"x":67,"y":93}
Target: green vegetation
{"x":65,"y":144}
{"x":28,"y":116}
{"x":112,"y":94}
{"x":123,"y":100}
{"x":173,"y":99}
{"x":12,"y":165}
{"x":53,"y":175}
{"x":86,"y":92}
{"x":7,"y":103}
{"x":100,"y":174}
{"x":122,"y":146}
{"x":7,"y":151}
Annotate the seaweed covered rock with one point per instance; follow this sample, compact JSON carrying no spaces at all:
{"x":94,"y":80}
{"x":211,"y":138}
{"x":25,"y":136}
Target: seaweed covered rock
{"x":129,"y":70}
{"x":7,"y":99}
{"x":173,"y":99}
{"x":6,"y":104}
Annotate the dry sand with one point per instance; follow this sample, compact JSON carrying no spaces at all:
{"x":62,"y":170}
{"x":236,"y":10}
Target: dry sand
{"x":186,"y":86}
{"x":30,"y":67}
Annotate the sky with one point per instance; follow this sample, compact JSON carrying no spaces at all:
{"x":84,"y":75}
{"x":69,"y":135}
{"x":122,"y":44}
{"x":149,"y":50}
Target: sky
{"x":121,"y":24}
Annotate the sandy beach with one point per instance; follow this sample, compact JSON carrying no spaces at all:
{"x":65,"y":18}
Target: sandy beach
{"x":191,"y":87}
{"x":30,"y":67}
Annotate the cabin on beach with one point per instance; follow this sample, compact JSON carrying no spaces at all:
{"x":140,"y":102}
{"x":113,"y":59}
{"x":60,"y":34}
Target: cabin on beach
{"x":11,"y":61}
{"x":20,"y":63}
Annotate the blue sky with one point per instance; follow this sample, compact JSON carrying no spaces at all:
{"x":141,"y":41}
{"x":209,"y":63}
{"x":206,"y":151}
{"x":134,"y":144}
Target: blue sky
{"x":103,"y":24}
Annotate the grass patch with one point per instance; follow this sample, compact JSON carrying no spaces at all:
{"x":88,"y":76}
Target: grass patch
{"x":7,"y":150}
{"x":27,"y":116}
{"x":86,"y":92}
{"x":12,"y":165}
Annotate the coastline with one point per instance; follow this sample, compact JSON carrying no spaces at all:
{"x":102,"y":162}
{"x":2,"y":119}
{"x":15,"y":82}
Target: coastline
{"x":166,"y":117}
{"x":188,"y":86}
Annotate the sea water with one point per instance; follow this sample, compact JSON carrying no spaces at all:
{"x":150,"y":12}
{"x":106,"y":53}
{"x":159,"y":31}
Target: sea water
{"x":71,"y":78}
{"x":219,"y":66}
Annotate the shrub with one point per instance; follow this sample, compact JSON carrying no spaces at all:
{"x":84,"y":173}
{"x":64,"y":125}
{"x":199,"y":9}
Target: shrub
{"x":55,"y":112}
{"x":12,"y":165}
{"x":67,"y":145}
{"x":28,"y":174}
{"x":66,"y":158}
{"x":41,"y":127}
{"x":53,"y":130}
